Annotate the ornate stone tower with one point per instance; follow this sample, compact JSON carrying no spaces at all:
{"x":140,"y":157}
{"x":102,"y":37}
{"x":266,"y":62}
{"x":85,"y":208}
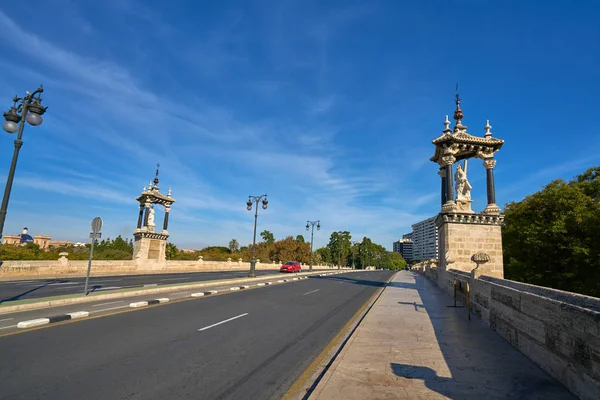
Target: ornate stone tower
{"x":149,"y":244}
{"x":462,"y":231}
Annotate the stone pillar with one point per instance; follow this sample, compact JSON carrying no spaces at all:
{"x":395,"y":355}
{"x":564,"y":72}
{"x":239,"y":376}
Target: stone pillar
{"x":491,"y":207}
{"x":146,"y":213}
{"x":442,"y":174}
{"x":140,"y":217}
{"x":447,"y":162}
{"x":166,"y":221}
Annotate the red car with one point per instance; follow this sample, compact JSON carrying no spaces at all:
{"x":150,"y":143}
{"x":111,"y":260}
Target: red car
{"x":291,"y":266}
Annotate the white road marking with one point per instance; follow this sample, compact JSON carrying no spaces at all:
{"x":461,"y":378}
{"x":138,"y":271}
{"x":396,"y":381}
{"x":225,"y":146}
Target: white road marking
{"x":150,"y":284}
{"x":163,"y":300}
{"x":108,"y":288}
{"x":176,"y":279}
{"x":6,"y":327}
{"x":222,"y":322}
{"x":112,"y":280}
{"x":311,"y":292}
{"x":6,"y":319}
{"x":107,"y":309}
{"x":234,"y":288}
{"x":260,"y":284}
{"x":197,"y":294}
{"x":105,"y":304}
{"x":138,"y":304}
{"x":66,"y":283}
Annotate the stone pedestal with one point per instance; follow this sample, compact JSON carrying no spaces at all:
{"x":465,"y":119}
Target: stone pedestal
{"x":461,"y":235}
{"x":149,"y":250}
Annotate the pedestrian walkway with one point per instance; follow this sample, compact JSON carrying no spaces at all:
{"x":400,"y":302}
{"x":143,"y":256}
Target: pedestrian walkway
{"x":411,"y":345}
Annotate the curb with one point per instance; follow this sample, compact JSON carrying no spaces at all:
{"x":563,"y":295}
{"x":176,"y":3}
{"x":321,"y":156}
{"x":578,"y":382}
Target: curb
{"x":138,"y":304}
{"x":132,"y":293}
{"x":55,"y":318}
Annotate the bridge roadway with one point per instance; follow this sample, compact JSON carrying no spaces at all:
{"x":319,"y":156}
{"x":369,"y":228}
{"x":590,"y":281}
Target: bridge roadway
{"x":30,"y":289}
{"x":250,"y":344}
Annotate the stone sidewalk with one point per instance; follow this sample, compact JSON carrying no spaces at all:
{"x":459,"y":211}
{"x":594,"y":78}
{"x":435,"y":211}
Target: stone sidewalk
{"x":411,"y":345}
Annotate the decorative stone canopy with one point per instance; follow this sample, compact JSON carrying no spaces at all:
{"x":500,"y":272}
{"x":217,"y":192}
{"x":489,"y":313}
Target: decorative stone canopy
{"x":463,"y":145}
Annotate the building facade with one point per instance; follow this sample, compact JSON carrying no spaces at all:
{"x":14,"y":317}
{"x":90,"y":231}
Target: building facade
{"x":425,"y":240}
{"x":405,"y":247}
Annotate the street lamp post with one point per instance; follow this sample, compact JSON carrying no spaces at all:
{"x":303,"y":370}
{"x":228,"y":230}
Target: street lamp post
{"x":30,"y":109}
{"x":255,"y":200}
{"x":308,"y":225}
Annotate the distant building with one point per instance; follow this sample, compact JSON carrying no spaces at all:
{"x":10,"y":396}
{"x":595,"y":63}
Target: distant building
{"x":407,"y":236}
{"x":425,"y":240}
{"x":43,"y":241}
{"x":404,"y":247}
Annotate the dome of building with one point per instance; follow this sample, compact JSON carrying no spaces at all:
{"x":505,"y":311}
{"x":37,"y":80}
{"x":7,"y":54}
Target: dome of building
{"x":26,"y":237}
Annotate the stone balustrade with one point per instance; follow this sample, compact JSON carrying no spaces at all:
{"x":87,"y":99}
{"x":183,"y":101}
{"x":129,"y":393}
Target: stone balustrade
{"x":559,"y":331}
{"x":63,"y":267}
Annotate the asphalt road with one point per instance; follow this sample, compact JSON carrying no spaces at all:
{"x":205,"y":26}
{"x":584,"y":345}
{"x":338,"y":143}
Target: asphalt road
{"x":30,"y":289}
{"x":244,"y":345}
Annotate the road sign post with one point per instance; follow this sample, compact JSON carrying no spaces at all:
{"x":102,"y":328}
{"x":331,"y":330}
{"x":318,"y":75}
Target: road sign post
{"x":96,"y":227}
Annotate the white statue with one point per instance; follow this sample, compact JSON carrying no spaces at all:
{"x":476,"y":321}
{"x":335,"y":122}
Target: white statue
{"x":463,"y":187}
{"x":151,"y":218}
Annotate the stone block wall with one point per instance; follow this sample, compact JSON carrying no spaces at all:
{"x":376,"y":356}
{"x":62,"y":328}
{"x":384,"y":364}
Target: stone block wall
{"x":13,"y":270}
{"x":463,"y":240}
{"x":559,"y":331}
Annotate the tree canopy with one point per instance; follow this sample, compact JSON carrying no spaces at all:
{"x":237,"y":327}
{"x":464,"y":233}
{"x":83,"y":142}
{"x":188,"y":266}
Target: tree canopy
{"x":552,"y":237}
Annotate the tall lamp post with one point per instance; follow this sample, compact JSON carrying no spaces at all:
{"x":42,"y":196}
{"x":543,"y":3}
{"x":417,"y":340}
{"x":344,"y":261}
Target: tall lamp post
{"x":308,"y":225}
{"x":255,"y":200}
{"x":30,"y":109}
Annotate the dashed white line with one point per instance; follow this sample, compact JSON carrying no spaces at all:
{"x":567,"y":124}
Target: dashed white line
{"x":6,"y":327}
{"x":111,"y":280}
{"x":222,"y":322}
{"x":6,"y":319}
{"x":311,"y":292}
{"x":105,"y":304}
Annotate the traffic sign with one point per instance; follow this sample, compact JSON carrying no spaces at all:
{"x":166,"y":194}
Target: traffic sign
{"x":96,"y":225}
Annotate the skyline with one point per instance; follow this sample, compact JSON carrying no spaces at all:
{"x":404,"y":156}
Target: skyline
{"x":329,"y":110}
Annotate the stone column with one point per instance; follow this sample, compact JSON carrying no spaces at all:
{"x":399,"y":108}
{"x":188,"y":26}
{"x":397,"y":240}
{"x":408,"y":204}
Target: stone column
{"x":147,"y":211}
{"x":140,"y":217}
{"x":447,"y":162}
{"x":491,"y":207}
{"x":166,"y":221}
{"x":442,"y":174}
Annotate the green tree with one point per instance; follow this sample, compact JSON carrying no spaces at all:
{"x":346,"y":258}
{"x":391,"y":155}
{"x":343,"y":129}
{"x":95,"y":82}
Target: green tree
{"x":234,"y":245}
{"x":267,"y":237}
{"x":290,"y":249}
{"x":339,"y":247}
{"x":171,"y":251}
{"x":395,"y":261}
{"x":324,"y":255}
{"x":552,"y":237}
{"x":300,"y":238}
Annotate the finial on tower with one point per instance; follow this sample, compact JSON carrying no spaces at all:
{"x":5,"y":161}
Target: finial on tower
{"x":169,"y":194}
{"x":447,"y":126}
{"x":458,"y":114}
{"x":488,"y":129}
{"x":156,"y":177}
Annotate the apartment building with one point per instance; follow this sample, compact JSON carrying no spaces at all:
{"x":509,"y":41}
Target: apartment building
{"x":425,"y":240}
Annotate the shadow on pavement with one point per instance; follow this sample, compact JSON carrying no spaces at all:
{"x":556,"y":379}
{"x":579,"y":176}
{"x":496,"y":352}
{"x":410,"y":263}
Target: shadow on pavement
{"x":19,"y":296}
{"x":481,"y":364}
{"x":352,"y":280}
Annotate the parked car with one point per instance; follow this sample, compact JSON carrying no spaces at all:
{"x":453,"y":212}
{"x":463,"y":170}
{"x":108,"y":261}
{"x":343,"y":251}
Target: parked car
{"x":291,"y":266}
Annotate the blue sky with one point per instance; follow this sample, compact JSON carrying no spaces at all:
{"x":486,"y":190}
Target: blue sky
{"x":329,"y":107}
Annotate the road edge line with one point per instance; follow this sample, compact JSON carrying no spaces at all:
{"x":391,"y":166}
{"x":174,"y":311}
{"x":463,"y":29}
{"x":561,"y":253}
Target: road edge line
{"x":310,"y":378}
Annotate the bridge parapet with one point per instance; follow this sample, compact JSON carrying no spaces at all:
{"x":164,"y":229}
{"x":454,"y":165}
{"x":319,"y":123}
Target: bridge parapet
{"x":558,"y":330}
